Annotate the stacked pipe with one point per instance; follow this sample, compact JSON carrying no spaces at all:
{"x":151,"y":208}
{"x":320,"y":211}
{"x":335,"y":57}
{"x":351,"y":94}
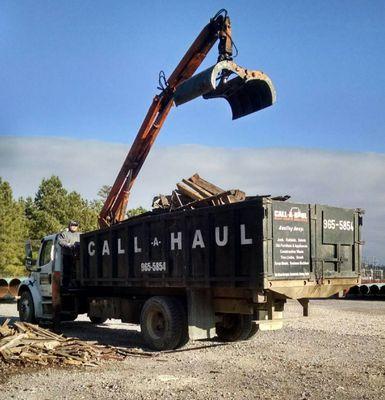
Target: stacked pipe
{"x":368,"y":289}
{"x":9,"y":288}
{"x":374,"y":290}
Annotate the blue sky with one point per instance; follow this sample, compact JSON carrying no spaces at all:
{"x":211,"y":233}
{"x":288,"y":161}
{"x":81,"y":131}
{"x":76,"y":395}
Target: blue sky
{"x":89,"y":70}
{"x":77,"y":78}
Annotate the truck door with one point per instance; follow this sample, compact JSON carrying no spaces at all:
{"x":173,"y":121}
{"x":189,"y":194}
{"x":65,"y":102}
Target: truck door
{"x":46,"y":258}
{"x":338,"y":241}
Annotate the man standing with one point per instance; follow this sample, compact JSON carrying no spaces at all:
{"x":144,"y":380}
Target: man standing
{"x":70,"y":236}
{"x":69,"y":241}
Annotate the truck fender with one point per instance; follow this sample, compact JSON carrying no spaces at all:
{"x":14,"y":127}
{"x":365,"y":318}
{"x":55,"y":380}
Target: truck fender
{"x":30,"y":285}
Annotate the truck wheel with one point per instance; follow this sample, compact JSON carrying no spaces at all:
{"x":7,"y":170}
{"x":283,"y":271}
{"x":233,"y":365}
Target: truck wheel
{"x":163,"y":323}
{"x":26,"y":307}
{"x":97,"y":320}
{"x":234,"y":327}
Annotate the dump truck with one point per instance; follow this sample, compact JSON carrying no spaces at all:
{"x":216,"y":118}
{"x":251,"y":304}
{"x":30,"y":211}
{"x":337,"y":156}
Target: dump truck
{"x":198,"y":273}
{"x":221,"y":270}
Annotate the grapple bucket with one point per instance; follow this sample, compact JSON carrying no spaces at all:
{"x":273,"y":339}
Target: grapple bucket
{"x":246,"y":91}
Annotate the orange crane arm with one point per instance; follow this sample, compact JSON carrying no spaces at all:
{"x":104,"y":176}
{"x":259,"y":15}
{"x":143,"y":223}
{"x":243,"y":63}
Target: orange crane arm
{"x":114,"y":208}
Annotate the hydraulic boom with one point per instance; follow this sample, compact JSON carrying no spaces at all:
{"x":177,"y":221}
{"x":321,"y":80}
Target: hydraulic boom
{"x":248,"y":92}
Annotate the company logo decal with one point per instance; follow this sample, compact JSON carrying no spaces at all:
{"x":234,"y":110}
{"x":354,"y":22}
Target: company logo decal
{"x":293,"y":215}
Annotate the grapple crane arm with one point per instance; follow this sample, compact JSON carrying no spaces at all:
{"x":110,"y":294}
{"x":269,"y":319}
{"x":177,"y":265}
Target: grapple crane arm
{"x":248,"y":92}
{"x":114,"y":208}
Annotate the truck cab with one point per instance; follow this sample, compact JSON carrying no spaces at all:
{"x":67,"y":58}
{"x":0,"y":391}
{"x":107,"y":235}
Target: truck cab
{"x":39,"y":294}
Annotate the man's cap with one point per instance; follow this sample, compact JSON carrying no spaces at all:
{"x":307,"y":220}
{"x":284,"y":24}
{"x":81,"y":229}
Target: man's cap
{"x":73,"y":223}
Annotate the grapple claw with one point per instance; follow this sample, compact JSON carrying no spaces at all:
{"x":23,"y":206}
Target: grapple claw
{"x":246,"y":91}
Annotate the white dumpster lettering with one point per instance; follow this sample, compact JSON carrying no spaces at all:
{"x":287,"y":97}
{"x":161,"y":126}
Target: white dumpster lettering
{"x":156,"y":242}
{"x":106,"y":249}
{"x":120,"y":249}
{"x":221,"y":234}
{"x":137,"y":249}
{"x":225,"y":234}
{"x":91,"y":251}
{"x":198,"y":240}
{"x":176,"y":240}
{"x":245,"y":240}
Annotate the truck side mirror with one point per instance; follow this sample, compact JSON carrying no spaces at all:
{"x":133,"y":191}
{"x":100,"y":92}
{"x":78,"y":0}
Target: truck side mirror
{"x":28,"y":249}
{"x":29,"y":261}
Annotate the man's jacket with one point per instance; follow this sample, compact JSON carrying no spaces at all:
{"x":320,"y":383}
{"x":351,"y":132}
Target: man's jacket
{"x":68,"y":238}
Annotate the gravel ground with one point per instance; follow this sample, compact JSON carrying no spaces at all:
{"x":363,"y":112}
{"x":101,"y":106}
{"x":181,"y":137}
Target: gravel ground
{"x":336,"y":353}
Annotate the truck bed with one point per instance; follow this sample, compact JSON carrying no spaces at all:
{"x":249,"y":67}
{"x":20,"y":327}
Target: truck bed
{"x":259,"y":244}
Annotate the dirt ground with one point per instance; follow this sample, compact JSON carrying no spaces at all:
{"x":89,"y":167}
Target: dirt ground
{"x":336,"y":353}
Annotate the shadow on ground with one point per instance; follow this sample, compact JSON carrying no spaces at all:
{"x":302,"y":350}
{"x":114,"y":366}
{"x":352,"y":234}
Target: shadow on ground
{"x":112,"y":333}
{"x":104,"y":334}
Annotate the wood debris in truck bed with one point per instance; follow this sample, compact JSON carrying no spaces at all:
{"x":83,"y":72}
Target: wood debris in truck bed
{"x":23,"y":344}
{"x":196,"y":192}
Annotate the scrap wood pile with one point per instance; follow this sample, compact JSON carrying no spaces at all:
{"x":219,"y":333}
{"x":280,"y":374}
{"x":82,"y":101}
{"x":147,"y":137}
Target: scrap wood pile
{"x":196,"y":192}
{"x":25,"y":344}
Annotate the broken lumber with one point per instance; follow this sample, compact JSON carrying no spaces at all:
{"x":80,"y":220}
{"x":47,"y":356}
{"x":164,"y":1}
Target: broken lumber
{"x":24,"y":344}
{"x":196,"y":192}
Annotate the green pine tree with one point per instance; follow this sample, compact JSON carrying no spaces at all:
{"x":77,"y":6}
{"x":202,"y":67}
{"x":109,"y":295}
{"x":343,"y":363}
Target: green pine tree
{"x":53,"y":208}
{"x":132,"y":212}
{"x":47,"y":212}
{"x":103,"y":194}
{"x":13,"y":230}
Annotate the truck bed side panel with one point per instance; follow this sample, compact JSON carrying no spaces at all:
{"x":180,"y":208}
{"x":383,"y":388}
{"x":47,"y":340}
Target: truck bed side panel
{"x":213,"y":246}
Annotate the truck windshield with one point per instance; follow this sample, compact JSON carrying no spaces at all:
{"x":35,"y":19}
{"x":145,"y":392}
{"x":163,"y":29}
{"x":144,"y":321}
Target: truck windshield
{"x":46,"y":252}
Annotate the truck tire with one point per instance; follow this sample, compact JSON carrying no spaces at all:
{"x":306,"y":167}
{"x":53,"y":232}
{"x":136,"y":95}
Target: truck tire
{"x":26,"y":307}
{"x":234,"y":327}
{"x":97,"y":320}
{"x":163,"y":323}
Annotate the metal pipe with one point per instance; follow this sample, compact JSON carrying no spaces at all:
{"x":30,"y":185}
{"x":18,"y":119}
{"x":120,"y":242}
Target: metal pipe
{"x":374,"y":290}
{"x":354,"y":290}
{"x":364,"y":290}
{"x":14,"y":286}
{"x":3,"y":288}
